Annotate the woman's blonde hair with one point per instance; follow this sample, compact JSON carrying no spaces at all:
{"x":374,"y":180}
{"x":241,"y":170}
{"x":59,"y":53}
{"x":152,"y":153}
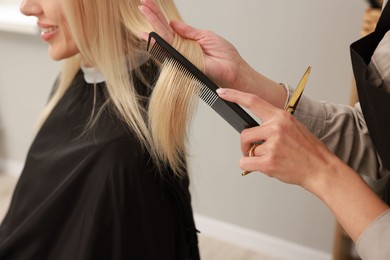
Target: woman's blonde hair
{"x":107,"y":35}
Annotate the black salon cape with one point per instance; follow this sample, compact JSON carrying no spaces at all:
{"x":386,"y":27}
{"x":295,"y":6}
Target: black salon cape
{"x":95,"y":195}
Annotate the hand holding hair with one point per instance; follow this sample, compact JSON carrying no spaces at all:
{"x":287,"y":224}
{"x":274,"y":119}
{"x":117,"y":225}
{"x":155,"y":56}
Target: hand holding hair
{"x":223,"y":63}
{"x":157,"y":19}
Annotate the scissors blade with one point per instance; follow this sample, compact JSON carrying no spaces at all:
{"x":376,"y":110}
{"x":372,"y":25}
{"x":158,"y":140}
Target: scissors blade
{"x":292,"y":104}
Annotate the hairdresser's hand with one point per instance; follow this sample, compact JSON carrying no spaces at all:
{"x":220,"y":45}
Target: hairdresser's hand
{"x":223,"y":64}
{"x":290,"y":152}
{"x":370,"y":19}
{"x":156,"y":18}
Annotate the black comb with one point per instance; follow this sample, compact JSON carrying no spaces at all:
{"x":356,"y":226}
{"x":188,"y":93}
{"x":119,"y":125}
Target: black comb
{"x":231,"y":112}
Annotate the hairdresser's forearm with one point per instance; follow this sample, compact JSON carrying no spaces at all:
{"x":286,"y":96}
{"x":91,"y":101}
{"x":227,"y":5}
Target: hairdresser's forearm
{"x":348,"y":196}
{"x":251,"y":81}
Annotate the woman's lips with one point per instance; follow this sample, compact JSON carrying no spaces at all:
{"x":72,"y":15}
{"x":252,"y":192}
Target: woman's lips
{"x":47,"y":31}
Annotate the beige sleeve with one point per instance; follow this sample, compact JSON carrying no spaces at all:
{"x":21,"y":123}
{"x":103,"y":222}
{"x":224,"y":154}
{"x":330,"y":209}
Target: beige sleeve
{"x":373,"y":243}
{"x":343,"y":130}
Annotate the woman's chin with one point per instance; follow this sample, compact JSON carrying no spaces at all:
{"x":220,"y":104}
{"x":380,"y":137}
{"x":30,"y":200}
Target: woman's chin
{"x":58,"y":55}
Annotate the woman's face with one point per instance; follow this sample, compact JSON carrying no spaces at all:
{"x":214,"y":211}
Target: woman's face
{"x":54,"y":28}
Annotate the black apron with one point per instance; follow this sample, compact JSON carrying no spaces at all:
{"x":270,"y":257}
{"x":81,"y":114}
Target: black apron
{"x":374,"y":100}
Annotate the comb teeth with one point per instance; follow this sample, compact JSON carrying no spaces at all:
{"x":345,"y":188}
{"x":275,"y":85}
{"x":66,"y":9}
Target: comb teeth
{"x":164,"y":53}
{"x":158,"y":53}
{"x":206,"y":94}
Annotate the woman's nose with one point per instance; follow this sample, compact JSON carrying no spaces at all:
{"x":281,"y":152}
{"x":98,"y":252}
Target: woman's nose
{"x":30,"y":8}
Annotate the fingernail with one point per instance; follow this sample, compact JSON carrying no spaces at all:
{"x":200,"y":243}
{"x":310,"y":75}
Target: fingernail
{"x":221,"y":91}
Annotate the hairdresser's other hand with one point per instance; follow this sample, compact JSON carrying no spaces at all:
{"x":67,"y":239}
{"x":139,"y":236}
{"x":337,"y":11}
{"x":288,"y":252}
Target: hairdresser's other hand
{"x":223,"y":63}
{"x":290,"y":152}
{"x":370,"y":19}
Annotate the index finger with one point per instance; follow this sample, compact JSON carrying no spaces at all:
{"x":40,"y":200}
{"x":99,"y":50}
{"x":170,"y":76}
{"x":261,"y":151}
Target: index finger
{"x":157,"y":19}
{"x":258,"y":106}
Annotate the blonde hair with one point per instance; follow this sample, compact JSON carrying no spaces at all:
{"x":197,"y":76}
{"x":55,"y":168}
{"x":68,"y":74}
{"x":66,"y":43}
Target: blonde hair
{"x":107,"y":35}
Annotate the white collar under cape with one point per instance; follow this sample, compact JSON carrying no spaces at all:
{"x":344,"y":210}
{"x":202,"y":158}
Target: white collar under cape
{"x":92,"y":75}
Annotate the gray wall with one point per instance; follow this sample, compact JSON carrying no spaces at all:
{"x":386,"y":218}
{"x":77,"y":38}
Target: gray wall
{"x":280,"y":39}
{"x":26,"y":77}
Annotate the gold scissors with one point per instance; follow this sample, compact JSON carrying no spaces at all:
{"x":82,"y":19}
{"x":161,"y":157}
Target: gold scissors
{"x":290,"y":107}
{"x":294,"y":100}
